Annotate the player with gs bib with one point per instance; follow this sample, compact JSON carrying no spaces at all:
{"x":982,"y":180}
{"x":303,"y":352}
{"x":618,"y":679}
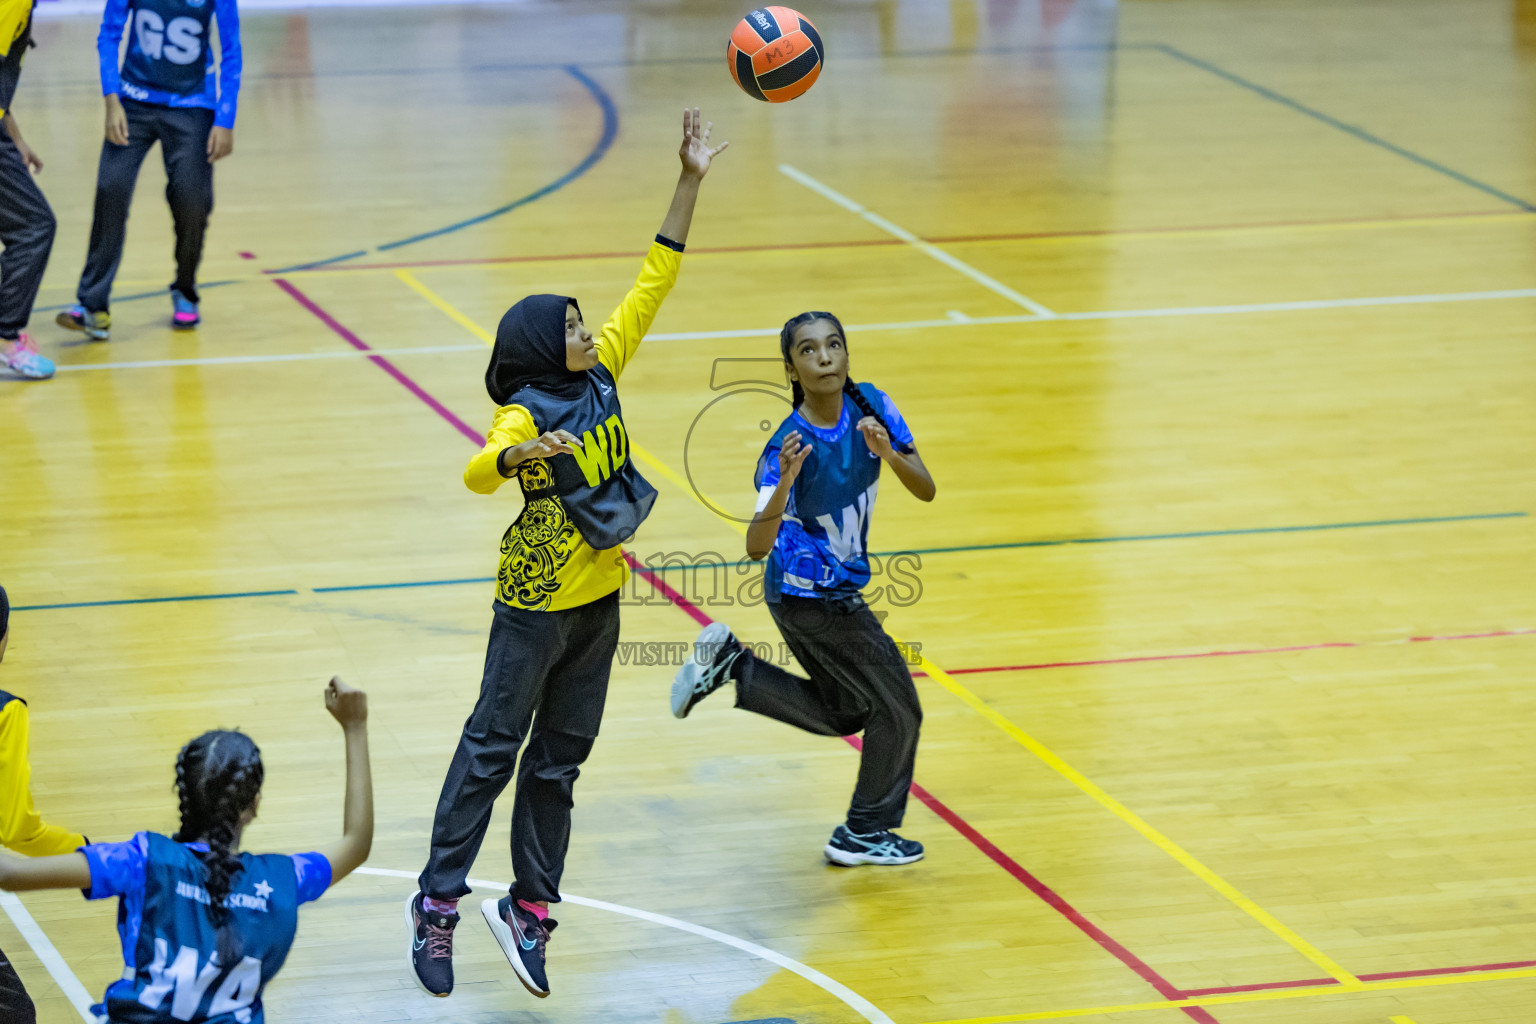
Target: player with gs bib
{"x":166,"y":92}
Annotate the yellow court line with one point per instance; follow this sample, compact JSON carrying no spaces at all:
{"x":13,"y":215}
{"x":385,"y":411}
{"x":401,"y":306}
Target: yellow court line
{"x":1034,"y":746}
{"x":1400,"y":1020}
{"x":1251,"y":997}
{"x":442,"y":304}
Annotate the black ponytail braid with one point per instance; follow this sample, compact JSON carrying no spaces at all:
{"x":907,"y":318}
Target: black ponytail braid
{"x":786,"y":342}
{"x":218,"y":776}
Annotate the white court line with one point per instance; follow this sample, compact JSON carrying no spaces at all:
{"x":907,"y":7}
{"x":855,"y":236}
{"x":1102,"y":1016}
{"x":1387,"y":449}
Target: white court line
{"x":869,"y":1011}
{"x":926,"y":247}
{"x":904,"y":325}
{"x":62,"y":975}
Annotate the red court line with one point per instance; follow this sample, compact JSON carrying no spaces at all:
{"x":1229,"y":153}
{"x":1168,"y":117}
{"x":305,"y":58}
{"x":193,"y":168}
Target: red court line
{"x":959,"y":824}
{"x":1050,"y":897}
{"x":1428,"y":972}
{"x":379,"y":361}
{"x":1232,"y":654}
{"x":981,"y":842}
{"x":1471,"y":636}
{"x":1016,"y":236}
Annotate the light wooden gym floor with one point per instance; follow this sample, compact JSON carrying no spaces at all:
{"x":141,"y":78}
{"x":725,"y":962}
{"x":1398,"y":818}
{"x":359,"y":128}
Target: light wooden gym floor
{"x":1216,"y":322}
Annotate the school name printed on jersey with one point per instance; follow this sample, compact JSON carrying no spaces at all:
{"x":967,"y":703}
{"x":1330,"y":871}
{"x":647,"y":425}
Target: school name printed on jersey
{"x":180,"y":42}
{"x":234,"y":901}
{"x":187,"y":978}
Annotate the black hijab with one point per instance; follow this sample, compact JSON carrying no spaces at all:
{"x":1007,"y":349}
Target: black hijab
{"x":530,"y":351}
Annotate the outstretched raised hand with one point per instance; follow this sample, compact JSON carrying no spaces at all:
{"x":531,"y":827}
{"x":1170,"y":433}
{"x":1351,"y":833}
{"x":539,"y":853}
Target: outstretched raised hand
{"x":695,"y":152}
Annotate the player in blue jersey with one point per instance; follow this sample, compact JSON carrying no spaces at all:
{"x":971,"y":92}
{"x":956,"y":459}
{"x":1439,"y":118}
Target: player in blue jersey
{"x":817,"y":479}
{"x":165,"y":92}
{"x":204,"y":927}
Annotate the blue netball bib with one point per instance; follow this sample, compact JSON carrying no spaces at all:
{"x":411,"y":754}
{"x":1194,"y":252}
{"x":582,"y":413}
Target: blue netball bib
{"x":821,"y":547}
{"x":170,"y":942}
{"x":168,"y":46}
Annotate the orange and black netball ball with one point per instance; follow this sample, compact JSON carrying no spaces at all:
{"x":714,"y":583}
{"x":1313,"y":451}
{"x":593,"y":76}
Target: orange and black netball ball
{"x":775,"y":54}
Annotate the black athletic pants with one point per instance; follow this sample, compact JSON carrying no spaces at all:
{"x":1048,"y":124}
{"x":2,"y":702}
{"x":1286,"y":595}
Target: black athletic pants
{"x":26,"y":231}
{"x":15,"y":1005}
{"x":858,"y":682}
{"x":183,"y":136}
{"x":545,"y":668}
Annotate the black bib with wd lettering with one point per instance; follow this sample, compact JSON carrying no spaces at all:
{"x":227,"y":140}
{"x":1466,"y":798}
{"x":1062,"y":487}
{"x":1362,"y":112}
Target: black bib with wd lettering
{"x":602,"y":491}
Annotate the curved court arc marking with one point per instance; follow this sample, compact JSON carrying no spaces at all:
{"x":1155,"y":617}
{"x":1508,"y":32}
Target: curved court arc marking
{"x":599,"y":150}
{"x":863,"y":1007}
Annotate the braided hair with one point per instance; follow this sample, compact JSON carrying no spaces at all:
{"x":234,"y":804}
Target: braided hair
{"x":852,"y":390}
{"x":218,"y":776}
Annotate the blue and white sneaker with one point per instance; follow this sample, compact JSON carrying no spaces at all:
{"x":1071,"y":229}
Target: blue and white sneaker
{"x":24,"y":360}
{"x":183,"y":312}
{"x":850,"y":849}
{"x":707,"y":669}
{"x":523,"y":938}
{"x":96,"y":326}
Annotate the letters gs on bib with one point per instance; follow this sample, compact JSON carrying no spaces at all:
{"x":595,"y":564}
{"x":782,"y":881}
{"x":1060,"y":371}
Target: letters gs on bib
{"x":179,"y":41}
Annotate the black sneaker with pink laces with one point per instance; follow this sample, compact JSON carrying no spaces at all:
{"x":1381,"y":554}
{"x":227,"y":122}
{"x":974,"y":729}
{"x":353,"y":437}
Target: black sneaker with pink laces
{"x":431,"y":947}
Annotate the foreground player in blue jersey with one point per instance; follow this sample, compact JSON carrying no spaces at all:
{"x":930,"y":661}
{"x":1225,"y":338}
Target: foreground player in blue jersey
{"x":816,"y":481}
{"x":205,"y":927}
{"x":165,"y":92}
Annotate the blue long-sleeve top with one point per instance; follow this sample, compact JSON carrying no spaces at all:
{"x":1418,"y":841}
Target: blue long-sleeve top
{"x":167,"y":40}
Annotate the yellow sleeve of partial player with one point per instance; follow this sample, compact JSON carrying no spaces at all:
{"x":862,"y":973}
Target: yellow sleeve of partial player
{"x":512,"y":425}
{"x":13,"y":18}
{"x":21,"y":828}
{"x":622,"y":334}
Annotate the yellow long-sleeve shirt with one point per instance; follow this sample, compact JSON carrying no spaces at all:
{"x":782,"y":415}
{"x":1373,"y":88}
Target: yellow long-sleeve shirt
{"x":545,"y":563}
{"x":15,"y":15}
{"x":21,"y":828}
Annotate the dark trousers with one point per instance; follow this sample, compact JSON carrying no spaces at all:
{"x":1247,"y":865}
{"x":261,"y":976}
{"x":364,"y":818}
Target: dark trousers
{"x":26,"y":230}
{"x":545,"y":668}
{"x":858,"y":682}
{"x":15,"y":1005}
{"x":183,"y":136}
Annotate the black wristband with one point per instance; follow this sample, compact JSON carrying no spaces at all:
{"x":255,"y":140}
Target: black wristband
{"x":501,"y":468}
{"x":674,"y":246}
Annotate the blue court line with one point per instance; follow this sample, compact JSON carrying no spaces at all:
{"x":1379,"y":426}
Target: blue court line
{"x":610,"y":132}
{"x":163,"y":293}
{"x":881,"y":554}
{"x":1010,"y":545}
{"x":153,"y":600}
{"x":396,"y":586}
{"x":1333,"y":122}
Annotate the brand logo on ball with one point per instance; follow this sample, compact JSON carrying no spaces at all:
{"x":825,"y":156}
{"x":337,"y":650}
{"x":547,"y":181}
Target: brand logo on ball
{"x":761,"y":17}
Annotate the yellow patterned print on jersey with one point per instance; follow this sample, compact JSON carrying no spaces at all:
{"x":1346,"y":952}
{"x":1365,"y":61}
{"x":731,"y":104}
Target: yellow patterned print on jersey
{"x":536,"y":546}
{"x":546,"y":565}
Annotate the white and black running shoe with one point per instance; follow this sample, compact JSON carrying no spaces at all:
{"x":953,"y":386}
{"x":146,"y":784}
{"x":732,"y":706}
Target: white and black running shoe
{"x":707,"y":669}
{"x":850,"y":849}
{"x":523,"y":938}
